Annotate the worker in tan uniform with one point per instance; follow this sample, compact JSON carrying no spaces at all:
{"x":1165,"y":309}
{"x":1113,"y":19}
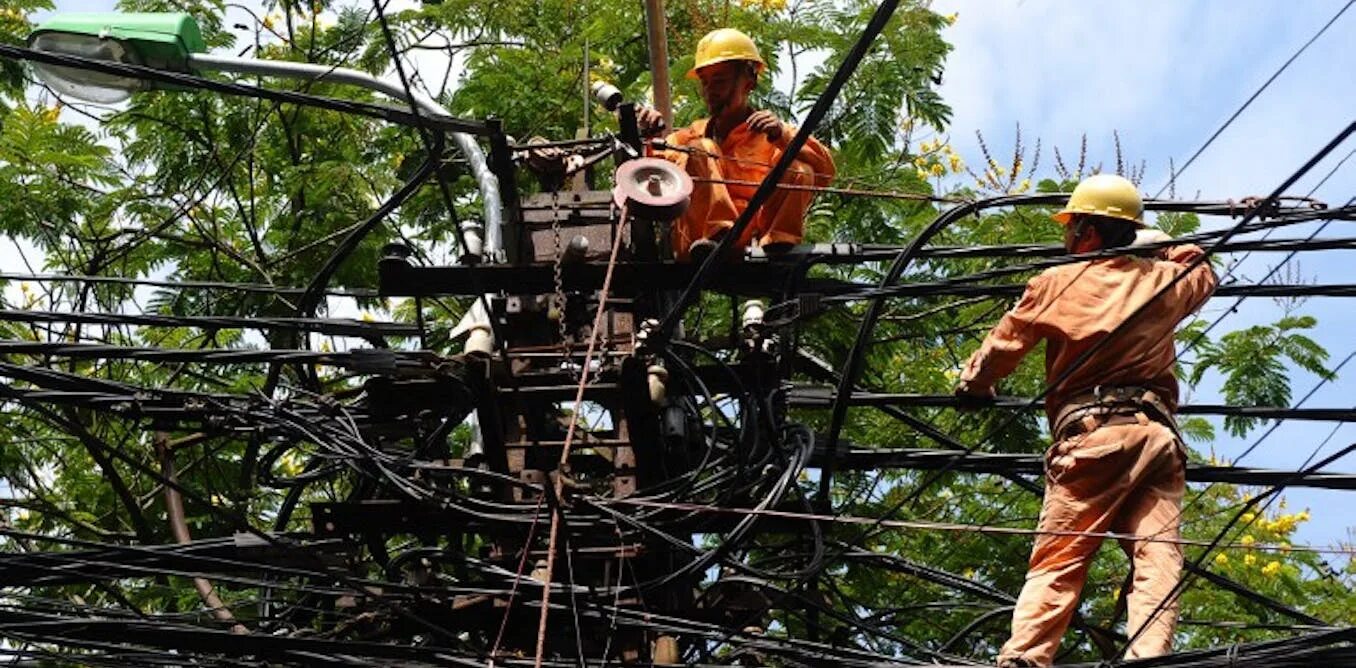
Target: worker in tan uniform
{"x":1118,"y":462}
{"x":729,"y":154}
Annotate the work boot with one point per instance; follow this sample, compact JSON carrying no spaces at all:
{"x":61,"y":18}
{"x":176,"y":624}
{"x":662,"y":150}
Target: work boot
{"x":1016,"y":662}
{"x":700,"y":249}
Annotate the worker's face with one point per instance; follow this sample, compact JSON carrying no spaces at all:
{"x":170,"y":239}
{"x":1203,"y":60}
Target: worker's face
{"x":1071,"y":234}
{"x":1080,"y":236}
{"x":726,"y":86}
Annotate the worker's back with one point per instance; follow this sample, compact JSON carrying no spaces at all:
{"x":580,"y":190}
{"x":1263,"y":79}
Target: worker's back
{"x":1082,"y":304}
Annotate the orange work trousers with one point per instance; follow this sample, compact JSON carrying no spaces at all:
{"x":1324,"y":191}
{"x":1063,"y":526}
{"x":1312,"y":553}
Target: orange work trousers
{"x":1126,"y":479}
{"x":714,"y":209}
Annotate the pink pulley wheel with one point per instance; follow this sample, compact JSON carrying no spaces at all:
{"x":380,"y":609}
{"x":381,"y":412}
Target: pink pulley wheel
{"x":652,"y":188}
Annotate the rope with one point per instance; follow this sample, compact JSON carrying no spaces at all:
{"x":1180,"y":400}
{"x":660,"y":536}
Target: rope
{"x":559,"y":486}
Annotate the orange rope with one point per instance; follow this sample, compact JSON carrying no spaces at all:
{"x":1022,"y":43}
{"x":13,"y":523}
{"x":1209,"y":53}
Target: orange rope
{"x":513,"y":592}
{"x":886,"y":194}
{"x":569,"y":436}
{"x":859,"y":192}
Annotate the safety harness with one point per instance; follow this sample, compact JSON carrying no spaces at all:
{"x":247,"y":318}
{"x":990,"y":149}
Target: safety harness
{"x":1108,"y":406}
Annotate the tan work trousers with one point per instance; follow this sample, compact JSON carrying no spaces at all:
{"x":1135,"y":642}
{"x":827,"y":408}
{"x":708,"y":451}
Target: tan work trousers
{"x":781,"y":219}
{"x":1125,"y":479}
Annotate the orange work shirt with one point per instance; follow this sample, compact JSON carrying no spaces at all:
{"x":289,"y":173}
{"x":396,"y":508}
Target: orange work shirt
{"x":1075,"y":306}
{"x":747,"y":155}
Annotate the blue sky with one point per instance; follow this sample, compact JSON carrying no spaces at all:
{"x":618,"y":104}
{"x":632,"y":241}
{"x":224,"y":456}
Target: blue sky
{"x":1165,"y":74}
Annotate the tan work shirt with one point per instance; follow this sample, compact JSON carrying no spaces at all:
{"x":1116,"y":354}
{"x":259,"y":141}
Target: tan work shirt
{"x":1075,"y":306}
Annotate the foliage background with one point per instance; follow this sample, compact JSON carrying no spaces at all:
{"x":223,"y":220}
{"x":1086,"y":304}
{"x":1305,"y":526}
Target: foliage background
{"x":193,"y":186}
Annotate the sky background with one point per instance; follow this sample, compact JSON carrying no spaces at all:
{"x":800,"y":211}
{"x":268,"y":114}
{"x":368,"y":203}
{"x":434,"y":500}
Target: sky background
{"x":1164,"y":75}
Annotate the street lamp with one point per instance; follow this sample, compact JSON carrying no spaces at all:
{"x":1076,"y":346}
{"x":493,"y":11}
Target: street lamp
{"x":174,"y":42}
{"x":162,"y":41}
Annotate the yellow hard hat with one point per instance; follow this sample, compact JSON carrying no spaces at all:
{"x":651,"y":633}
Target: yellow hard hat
{"x":725,"y":44}
{"x":1105,"y":195}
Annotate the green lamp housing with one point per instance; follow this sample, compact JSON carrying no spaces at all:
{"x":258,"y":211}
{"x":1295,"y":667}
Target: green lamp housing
{"x":158,"y":40}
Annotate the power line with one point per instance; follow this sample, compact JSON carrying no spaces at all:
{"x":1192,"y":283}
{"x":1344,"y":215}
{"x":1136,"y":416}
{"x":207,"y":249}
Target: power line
{"x":1229,"y":121}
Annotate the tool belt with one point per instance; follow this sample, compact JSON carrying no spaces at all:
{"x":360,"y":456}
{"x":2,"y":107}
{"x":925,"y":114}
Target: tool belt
{"x":1109,"y":406}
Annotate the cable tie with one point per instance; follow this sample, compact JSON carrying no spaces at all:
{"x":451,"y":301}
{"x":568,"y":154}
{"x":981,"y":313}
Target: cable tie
{"x":806,"y":305}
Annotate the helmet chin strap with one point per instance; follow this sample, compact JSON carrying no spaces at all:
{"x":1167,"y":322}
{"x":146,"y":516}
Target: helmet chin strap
{"x":1081,"y":227}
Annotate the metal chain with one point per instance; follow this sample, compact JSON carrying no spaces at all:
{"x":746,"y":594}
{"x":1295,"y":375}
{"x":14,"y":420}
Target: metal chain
{"x":558,"y":300}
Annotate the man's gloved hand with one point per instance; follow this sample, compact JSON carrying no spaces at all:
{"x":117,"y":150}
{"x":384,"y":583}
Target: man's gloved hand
{"x":973,"y":397}
{"x":545,"y":159}
{"x":1148,"y":236}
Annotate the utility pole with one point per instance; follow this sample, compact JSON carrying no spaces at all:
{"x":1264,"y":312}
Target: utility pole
{"x":659,"y":58}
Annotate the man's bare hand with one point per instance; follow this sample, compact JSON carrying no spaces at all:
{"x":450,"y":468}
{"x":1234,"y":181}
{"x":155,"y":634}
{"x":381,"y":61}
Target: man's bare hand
{"x":766,"y":123}
{"x":972,"y":397}
{"x":649,"y":121}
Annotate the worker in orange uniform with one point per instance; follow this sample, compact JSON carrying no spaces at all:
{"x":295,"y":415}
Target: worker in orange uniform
{"x":737,"y":143}
{"x":1118,"y":461}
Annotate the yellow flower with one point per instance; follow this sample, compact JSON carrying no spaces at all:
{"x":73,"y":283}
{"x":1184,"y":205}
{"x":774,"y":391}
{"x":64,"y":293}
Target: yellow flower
{"x":1221,"y":559}
{"x":366,"y":317}
{"x":1248,"y":518}
{"x":325,"y":347}
{"x":1249,"y":559}
{"x":1246,"y":540}
{"x":925,"y":147}
{"x":217,"y":500}
{"x":269,"y":21}
{"x":1271,"y":569}
{"x":1024,"y":186}
{"x":938,"y":170}
{"x":1285,"y":548}
{"x":969,"y":573}
{"x":51,"y":113}
{"x":23,"y":514}
{"x":1286,"y":523}
{"x":956,"y":164}
{"x":951,"y":18}
{"x":1303,"y":515}
{"x":924,"y":174}
{"x":289,"y":463}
